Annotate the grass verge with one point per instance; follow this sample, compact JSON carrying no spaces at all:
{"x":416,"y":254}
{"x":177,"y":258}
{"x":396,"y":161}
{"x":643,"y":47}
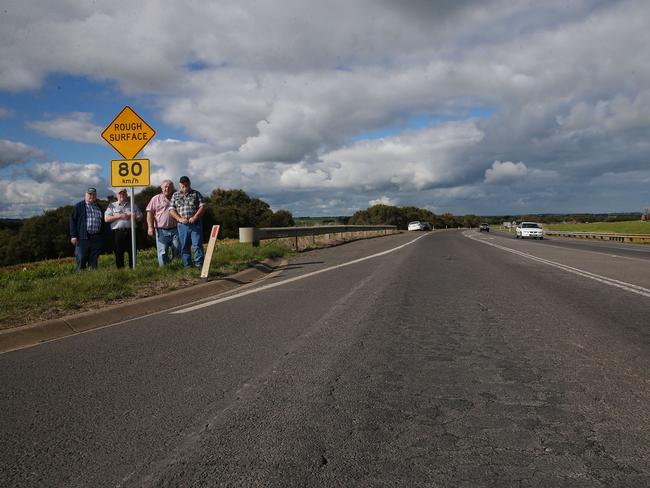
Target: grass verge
{"x":50,"y":289}
{"x":631,"y":227}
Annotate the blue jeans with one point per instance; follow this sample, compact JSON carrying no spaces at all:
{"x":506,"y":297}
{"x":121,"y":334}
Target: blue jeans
{"x":191,"y":234}
{"x":167,"y":245}
{"x":88,"y":250}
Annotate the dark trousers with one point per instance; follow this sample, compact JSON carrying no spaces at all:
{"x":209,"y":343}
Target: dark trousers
{"x":88,"y":250}
{"x":121,"y":245}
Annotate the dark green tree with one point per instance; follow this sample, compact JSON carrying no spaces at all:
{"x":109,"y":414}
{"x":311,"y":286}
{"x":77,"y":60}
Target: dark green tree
{"x":390,"y":215}
{"x":280,"y":218}
{"x":447,"y":220}
{"x":7,"y":237}
{"x":232,"y":209}
{"x":42,"y":237}
{"x":471,"y":221}
{"x":385,"y":215}
{"x":360,"y":217}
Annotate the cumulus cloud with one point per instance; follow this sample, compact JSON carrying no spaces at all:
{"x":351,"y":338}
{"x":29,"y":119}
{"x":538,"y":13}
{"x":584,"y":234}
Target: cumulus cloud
{"x":56,"y":172}
{"x":51,"y":185}
{"x":384,"y":200}
{"x":5,"y":113}
{"x":15,"y":153}
{"x":503,"y":172}
{"x":24,"y":194}
{"x":618,"y":113}
{"x":284,"y":101}
{"x":203,"y":163}
{"x":171,"y":158}
{"x":75,"y":126}
{"x":414,"y":160}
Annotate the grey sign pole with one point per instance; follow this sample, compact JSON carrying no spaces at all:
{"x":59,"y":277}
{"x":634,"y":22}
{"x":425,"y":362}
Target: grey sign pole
{"x":133,"y":228}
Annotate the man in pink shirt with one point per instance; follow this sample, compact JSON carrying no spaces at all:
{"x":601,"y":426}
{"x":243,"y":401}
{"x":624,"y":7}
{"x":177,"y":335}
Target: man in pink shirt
{"x":163,"y":224}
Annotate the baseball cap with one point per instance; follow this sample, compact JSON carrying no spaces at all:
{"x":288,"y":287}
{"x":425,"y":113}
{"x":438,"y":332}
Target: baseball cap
{"x":123,"y":190}
{"x":184,"y":179}
{"x":91,"y":190}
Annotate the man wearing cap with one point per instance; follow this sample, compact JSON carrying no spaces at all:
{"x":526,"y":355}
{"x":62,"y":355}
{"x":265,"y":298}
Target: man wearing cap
{"x":118,"y":214}
{"x":161,"y":225}
{"x":187,"y":207}
{"x":87,"y":230}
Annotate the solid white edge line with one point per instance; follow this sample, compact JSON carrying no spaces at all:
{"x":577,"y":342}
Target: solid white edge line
{"x":639,"y":290}
{"x":295,"y":278}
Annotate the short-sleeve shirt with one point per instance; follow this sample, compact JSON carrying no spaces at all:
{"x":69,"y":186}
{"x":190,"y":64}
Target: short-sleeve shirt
{"x":117,"y":208}
{"x":186,"y":204}
{"x":159,"y":206}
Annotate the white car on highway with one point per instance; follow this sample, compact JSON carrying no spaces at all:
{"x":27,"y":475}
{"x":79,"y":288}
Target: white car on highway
{"x":529,"y":229}
{"x":417,"y":225}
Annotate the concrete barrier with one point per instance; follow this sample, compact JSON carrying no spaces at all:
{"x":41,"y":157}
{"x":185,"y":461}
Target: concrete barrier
{"x":300,"y":238}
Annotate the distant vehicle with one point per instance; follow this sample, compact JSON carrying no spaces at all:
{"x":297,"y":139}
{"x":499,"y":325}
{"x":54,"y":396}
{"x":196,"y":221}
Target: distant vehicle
{"x":529,"y":229}
{"x":416,"y":225}
{"x":428,"y":225}
{"x":484,"y":228}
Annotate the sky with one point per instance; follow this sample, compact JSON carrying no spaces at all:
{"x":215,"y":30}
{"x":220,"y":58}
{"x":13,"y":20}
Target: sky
{"x":487,"y":107}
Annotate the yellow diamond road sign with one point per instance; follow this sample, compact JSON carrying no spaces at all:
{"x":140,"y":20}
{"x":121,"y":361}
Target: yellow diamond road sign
{"x":128,"y":133}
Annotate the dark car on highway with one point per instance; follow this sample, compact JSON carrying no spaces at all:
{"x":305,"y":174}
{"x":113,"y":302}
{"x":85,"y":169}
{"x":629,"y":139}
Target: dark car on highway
{"x":484,"y":227}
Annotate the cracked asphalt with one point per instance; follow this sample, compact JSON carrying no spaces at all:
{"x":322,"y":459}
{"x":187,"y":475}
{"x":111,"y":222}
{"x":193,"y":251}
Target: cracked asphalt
{"x":446,"y":363}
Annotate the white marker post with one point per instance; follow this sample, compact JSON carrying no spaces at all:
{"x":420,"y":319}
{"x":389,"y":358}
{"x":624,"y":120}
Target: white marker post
{"x":208,"y":255}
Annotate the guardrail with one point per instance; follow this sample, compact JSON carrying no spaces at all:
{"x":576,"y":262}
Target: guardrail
{"x":305,"y":237}
{"x":633,"y":238}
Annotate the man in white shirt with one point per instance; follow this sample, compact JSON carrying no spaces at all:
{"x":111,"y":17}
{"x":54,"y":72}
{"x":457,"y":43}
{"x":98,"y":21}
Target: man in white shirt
{"x":118,"y":214}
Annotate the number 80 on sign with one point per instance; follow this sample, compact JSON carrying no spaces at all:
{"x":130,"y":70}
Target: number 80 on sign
{"x":130,"y":172}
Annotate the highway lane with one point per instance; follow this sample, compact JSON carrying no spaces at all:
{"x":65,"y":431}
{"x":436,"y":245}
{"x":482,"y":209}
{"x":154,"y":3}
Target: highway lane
{"x":611,"y":248}
{"x":447,"y":362}
{"x":611,"y":261}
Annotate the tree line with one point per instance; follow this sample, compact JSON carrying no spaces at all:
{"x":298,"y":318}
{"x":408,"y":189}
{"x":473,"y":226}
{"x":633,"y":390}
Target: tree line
{"x":401,"y":216}
{"x":574,"y":218}
{"x":47,"y":236}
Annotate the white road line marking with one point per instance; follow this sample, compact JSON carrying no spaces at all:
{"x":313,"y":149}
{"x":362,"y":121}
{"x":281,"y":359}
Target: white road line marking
{"x":598,"y":251}
{"x":639,"y":290}
{"x":291,"y":280}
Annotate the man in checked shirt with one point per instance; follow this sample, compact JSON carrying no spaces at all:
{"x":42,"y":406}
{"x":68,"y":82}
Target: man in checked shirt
{"x":87,"y":230}
{"x":187,"y":207}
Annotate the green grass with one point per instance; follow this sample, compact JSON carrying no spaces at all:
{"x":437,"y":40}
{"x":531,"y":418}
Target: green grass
{"x":38,"y":291}
{"x":631,"y":227}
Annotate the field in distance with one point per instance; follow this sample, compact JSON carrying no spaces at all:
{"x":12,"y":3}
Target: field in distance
{"x":313,"y":221}
{"x":631,"y":227}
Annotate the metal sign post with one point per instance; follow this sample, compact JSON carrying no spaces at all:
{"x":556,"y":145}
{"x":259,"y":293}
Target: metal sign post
{"x":133,"y":254}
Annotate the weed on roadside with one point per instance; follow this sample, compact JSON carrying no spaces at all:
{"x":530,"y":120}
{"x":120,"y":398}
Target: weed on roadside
{"x":50,"y":289}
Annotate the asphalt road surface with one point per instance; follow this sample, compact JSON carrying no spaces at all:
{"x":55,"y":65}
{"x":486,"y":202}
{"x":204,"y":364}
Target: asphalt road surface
{"x":423,"y":359}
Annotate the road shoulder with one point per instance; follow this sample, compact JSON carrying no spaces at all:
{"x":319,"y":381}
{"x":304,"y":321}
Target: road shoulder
{"x":29,"y":335}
